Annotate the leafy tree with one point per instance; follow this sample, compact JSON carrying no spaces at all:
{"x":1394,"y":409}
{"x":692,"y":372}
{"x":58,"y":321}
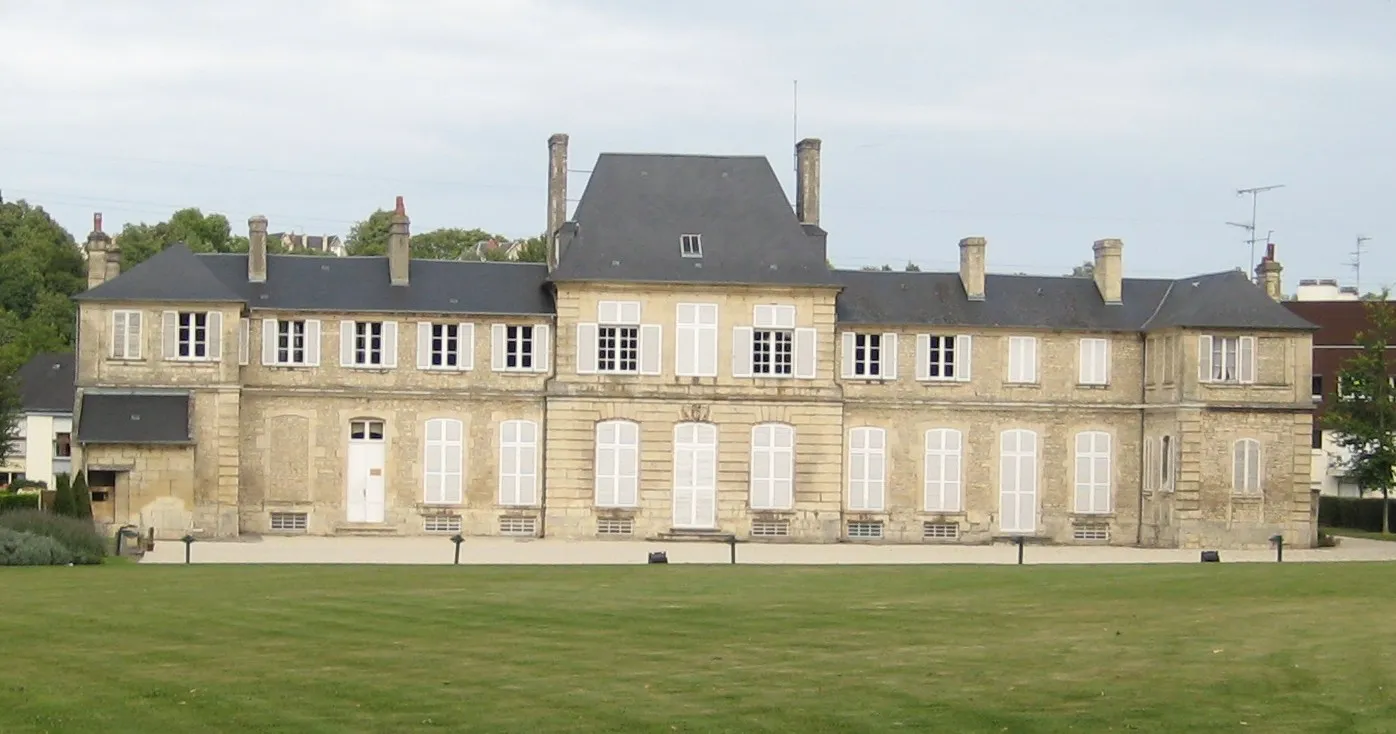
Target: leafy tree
{"x":41,"y":267}
{"x":9,"y":415}
{"x":1084,"y":270}
{"x":534,"y":250}
{"x":82,"y":498}
{"x":912,"y":267}
{"x":1364,"y":415}
{"x":370,"y":236}
{"x":63,"y":503}
{"x":451,"y":243}
{"x":201,"y":232}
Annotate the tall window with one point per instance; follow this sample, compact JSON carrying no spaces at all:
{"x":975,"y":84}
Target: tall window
{"x":1018,"y":481}
{"x":1095,"y":362}
{"x":617,"y":463}
{"x":1150,"y":464}
{"x":1165,"y":463}
{"x":773,"y":341}
{"x":518,"y":463}
{"x":1245,"y":466}
{"x":695,"y":341}
{"x":943,"y":462}
{"x":290,"y":342}
{"x":444,"y":460}
{"x":867,"y":465}
{"x":126,"y":335}
{"x":772,"y":467}
{"x":1022,"y":359}
{"x":1226,"y":359}
{"x":1092,"y":472}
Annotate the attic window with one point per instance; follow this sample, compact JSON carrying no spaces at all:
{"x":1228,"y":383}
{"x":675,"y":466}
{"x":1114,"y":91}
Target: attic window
{"x":691,"y":245}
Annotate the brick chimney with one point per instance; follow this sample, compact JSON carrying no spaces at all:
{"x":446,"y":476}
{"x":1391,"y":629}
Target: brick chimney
{"x":1267,"y":274}
{"x":100,"y":252}
{"x":557,"y":195}
{"x":257,"y":249}
{"x":1109,"y":270}
{"x":807,"y":180}
{"x":399,"y":237}
{"x":972,"y":267}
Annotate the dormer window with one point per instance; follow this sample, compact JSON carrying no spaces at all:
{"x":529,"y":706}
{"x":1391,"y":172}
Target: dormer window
{"x":691,"y":245}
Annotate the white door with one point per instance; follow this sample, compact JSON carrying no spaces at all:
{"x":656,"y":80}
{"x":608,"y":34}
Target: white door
{"x":1018,"y":481}
{"x":365,"y":471}
{"x":695,"y":475}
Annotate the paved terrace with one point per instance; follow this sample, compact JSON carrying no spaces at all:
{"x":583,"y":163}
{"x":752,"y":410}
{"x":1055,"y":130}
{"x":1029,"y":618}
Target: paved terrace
{"x":439,"y":550}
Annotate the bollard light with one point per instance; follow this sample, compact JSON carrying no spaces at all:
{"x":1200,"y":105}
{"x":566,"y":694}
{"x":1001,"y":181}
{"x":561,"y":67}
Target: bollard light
{"x":1279,"y":541}
{"x":188,"y":541}
{"x":732,"y":543}
{"x":457,"y":539}
{"x":1019,"y":540}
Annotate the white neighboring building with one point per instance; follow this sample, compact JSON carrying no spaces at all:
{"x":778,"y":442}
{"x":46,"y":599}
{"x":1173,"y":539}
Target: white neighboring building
{"x":45,"y":446}
{"x":1325,"y":289}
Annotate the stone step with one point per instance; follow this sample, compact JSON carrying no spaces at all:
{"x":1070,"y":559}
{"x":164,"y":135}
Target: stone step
{"x":364,"y":529}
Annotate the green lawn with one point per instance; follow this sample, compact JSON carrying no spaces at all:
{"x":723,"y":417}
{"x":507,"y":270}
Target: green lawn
{"x":1367,"y":535}
{"x":1193,"y":648}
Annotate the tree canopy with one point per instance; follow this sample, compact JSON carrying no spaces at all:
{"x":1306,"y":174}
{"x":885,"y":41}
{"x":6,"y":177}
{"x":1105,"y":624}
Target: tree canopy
{"x":41,"y":268}
{"x":369,"y":237}
{"x":9,"y":415}
{"x":201,"y":232}
{"x":1364,"y":415}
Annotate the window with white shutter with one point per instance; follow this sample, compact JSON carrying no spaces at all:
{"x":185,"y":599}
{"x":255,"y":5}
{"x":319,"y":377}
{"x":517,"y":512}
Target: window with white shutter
{"x":1018,"y":481}
{"x":443,"y":463}
{"x":617,"y":463}
{"x":943,"y":357}
{"x":1092,"y":472}
{"x":193,"y":335}
{"x":1022,"y":359}
{"x":777,"y":348}
{"x":518,"y":463}
{"x":1226,"y":359}
{"x":291,"y":342}
{"x":617,"y":337}
{"x":1094,"y":361}
{"x":867,"y":465}
{"x":943,"y":463}
{"x":519,"y":347}
{"x":695,"y":340}
{"x":445,"y":345}
{"x":1245,"y":466}
{"x":869,"y":356}
{"x":126,"y":335}
{"x":772,"y":467}
{"x":370,"y":344}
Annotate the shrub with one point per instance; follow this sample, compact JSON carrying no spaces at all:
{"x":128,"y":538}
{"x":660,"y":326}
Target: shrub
{"x":78,"y":536}
{"x":82,"y":498}
{"x":25,"y":484}
{"x":10,"y":502}
{"x":27,"y":549}
{"x":63,"y":499}
{"x":1352,"y":513}
{"x":1327,"y":540}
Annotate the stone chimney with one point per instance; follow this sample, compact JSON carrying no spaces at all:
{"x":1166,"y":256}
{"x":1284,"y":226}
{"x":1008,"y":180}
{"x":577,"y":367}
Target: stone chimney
{"x":557,"y":195}
{"x":807,"y":181}
{"x":103,"y":259}
{"x":1109,"y":270}
{"x":257,"y":249}
{"x":972,"y":267}
{"x":1267,"y":274}
{"x":399,"y":237}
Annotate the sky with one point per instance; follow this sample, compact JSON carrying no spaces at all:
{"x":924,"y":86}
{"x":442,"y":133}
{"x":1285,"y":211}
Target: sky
{"x":1042,"y":126}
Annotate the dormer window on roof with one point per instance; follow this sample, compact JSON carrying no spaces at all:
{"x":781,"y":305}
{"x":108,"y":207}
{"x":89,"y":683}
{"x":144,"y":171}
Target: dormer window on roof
{"x":691,"y":245}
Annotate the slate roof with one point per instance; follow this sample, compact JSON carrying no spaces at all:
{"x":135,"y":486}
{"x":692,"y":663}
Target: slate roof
{"x":311,"y":283}
{"x":46,"y":383}
{"x":1221,"y":300}
{"x":134,"y":418}
{"x":635,"y":207}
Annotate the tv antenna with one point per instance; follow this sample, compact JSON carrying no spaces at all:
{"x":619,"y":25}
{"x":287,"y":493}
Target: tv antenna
{"x":1255,"y":196}
{"x":1356,"y":263}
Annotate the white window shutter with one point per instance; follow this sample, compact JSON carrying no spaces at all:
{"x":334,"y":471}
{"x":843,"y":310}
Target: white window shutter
{"x":707,"y":348}
{"x":651,"y":346}
{"x":1204,"y":358}
{"x":1106,"y":347}
{"x":346,"y":343}
{"x":686,"y":336}
{"x":964,"y":349}
{"x":608,"y":312}
{"x":741,"y":351}
{"x":542,"y":348}
{"x":423,"y":345}
{"x":170,"y":334}
{"x":889,"y":356}
{"x":630,"y":312}
{"x":312,"y":342}
{"x":135,"y":337}
{"x":806,"y":353}
{"x":268,"y":341}
{"x":1030,"y":359}
{"x":244,"y":339}
{"x":466,"y":358}
{"x":586,"y":349}
{"x":847,"y":344}
{"x":498,"y":347}
{"x":389,"y":343}
{"x":118,"y":335}
{"x":1246,"y":359}
{"x":214,"y":334}
{"x":1085,"y":357}
{"x":923,"y":357}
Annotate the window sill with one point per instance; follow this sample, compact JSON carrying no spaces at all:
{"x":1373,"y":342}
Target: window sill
{"x":1034,"y":385}
{"x":195,"y":360}
{"x":772,"y":512}
{"x":946,"y":514}
{"x":369,"y":367}
{"x":127,"y":360}
{"x":1257,"y":496}
{"x":869,"y":378}
{"x":447,"y":370}
{"x":1091,"y":517}
{"x":436,"y":508}
{"x":942,"y":381}
{"x":289,"y":366}
{"x":1092,"y":386}
{"x":518,"y":371}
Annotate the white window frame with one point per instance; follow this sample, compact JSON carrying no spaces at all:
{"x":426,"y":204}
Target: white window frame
{"x":350,"y":355}
{"x":1019,"y":459}
{"x":127,"y":330}
{"x":695,"y":340}
{"x":1093,"y":473}
{"x":1022,"y":360}
{"x":867,"y":469}
{"x":691,"y":245}
{"x":275,"y":331}
{"x":874,"y":359}
{"x":443,"y":440}
{"x":1226,"y":360}
{"x":1094,"y":358}
{"x":771,"y":322}
{"x":1247,"y":467}
{"x":772,"y":481}
{"x":944,"y":467}
{"x":509,"y":342}
{"x":174,"y":340}
{"x":933,"y":360}
{"x":435,"y":352}
{"x":518,"y":451}
{"x":617,"y":468}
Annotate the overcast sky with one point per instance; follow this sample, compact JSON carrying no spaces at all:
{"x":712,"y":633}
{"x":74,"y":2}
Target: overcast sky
{"x":1040,"y":125}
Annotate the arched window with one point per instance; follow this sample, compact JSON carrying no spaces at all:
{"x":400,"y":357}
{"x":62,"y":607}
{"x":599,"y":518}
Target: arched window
{"x":867,"y":467}
{"x":1018,"y":481}
{"x":943,"y":462}
{"x":1245,"y":466}
{"x":1092,"y":472}
{"x":518,"y":463}
{"x":617,"y":463}
{"x":772,"y":467}
{"x":443,"y":461}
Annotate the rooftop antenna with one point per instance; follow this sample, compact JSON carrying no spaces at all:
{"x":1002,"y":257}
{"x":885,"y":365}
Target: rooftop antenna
{"x":795,"y":129}
{"x":1255,"y":196}
{"x":1356,"y":263}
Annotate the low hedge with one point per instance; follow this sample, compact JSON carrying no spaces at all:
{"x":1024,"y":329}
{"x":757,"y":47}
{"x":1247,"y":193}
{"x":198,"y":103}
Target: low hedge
{"x":10,"y":501}
{"x":28,"y":549}
{"x":78,"y":536}
{"x":1353,"y":513}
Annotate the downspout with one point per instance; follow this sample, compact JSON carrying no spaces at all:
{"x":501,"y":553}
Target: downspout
{"x":543,"y":427}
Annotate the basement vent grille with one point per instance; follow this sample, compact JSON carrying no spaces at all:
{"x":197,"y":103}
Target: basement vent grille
{"x":770,"y":528}
{"x":940,"y":531}
{"x":518,"y":526}
{"x":611,"y":526}
{"x":865,"y":530}
{"x":289,"y":521}
{"x":441,"y":523}
{"x":1096,"y":533}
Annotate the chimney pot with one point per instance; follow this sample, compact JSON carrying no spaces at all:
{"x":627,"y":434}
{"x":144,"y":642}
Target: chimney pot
{"x":1267,"y":274}
{"x":400,"y":207}
{"x":1108,"y":270}
{"x":972,"y":267}
{"x":97,"y":222}
{"x":807,"y":180}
